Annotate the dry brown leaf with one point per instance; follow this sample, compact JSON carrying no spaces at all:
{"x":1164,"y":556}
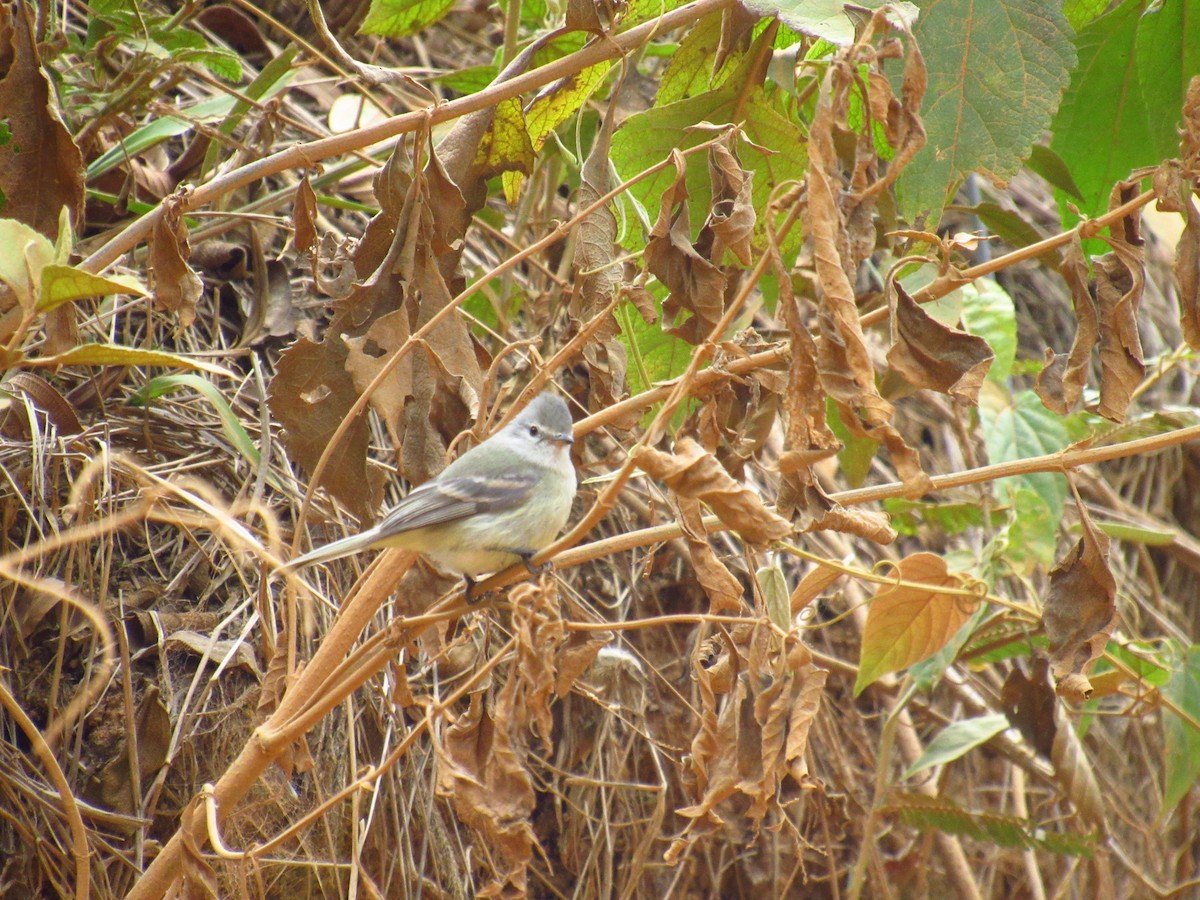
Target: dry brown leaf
{"x":176,"y":287}
{"x":152,"y":734}
{"x":724,"y":591}
{"x":310,"y":395}
{"x":1029,"y":704}
{"x":1120,"y":281}
{"x":731,"y":220}
{"x":41,"y":169}
{"x":691,"y":472}
{"x":539,"y":633}
{"x":1175,"y":195}
{"x":304,"y":217}
{"x":1119,"y":285}
{"x":931,"y":355}
{"x":598,"y":275}
{"x":696,"y":285}
{"x":1080,"y":608}
{"x":482,"y":770}
{"x":840,"y":239}
{"x":811,"y":586}
{"x":1060,"y":384}
{"x":1189,"y":143}
{"x":711,"y":773}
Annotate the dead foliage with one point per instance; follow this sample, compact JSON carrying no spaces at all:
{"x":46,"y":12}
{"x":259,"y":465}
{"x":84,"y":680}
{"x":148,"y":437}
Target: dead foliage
{"x":256,"y":327}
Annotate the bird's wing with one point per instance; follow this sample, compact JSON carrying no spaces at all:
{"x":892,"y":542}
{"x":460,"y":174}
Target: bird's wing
{"x":449,"y":499}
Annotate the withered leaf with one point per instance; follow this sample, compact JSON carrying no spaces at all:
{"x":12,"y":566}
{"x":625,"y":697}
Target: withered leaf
{"x":176,"y":287}
{"x":1029,"y":703}
{"x":931,"y":355}
{"x":598,"y":274}
{"x":696,"y":285}
{"x":41,"y":169}
{"x":1119,"y":286}
{"x":839,"y":237}
{"x":309,"y":396}
{"x":304,"y":217}
{"x":725,"y":592}
{"x":731,"y":220}
{"x":482,"y":771}
{"x":1175,"y":195}
{"x":692,"y":472}
{"x":1080,"y":606}
{"x":1060,"y":384}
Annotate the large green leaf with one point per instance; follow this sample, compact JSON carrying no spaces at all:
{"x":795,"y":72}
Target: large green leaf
{"x":1124,"y":102}
{"x":1019,"y":427}
{"x":1181,"y":738}
{"x":996,"y":73}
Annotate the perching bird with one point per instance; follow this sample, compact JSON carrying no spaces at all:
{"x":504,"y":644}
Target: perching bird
{"x":497,"y":504}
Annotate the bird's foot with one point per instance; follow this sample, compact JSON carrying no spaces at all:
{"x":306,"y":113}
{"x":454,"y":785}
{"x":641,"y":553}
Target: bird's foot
{"x":527,"y":555}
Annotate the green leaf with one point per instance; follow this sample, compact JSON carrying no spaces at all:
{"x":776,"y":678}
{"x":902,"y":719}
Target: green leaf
{"x":690,"y":72}
{"x":654,"y":355}
{"x":989,"y":313}
{"x":65,"y":284}
{"x":1006,"y":831}
{"x":956,"y":739}
{"x":400,"y":18}
{"x":1050,"y":166}
{"x":1124,"y":102}
{"x":996,"y":73}
{"x":230,"y":425}
{"x":1181,"y":739}
{"x":948,"y":518}
{"x":1020,"y":427}
{"x":857,"y":450}
{"x":1139,"y":534}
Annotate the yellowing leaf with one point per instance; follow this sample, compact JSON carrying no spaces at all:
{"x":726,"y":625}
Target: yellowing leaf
{"x":65,"y":284}
{"x":112,"y":355}
{"x":25,"y":254}
{"x":906,"y":624}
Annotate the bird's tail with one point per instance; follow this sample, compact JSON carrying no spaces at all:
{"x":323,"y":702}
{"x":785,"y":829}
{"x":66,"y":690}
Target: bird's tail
{"x":336,"y":550}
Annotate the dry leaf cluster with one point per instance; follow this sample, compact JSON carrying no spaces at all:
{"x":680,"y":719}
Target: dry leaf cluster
{"x":733,"y":678}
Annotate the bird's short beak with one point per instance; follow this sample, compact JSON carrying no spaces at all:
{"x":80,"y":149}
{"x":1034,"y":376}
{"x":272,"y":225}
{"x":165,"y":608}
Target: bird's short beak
{"x":565,"y":438}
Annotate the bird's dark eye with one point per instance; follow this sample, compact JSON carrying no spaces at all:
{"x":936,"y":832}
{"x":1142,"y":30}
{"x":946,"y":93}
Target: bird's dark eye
{"x":533,"y":431}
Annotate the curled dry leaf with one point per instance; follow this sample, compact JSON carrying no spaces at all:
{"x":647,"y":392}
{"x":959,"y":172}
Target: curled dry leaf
{"x":841,"y":238}
{"x":1060,"y":384}
{"x":1031,"y":707}
{"x":931,"y":355}
{"x":724,"y":591}
{"x":176,"y":288}
{"x":1080,"y":608}
{"x":598,"y":274}
{"x":1175,"y":195}
{"x":1120,"y":282}
{"x":731,"y":221}
{"x":696,"y":285}
{"x":691,"y":472}
{"x":750,"y":739}
{"x":481,"y":768}
{"x":304,"y":217}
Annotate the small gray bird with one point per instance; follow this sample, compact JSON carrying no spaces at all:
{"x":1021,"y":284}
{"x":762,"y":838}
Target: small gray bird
{"x":497,"y":504}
